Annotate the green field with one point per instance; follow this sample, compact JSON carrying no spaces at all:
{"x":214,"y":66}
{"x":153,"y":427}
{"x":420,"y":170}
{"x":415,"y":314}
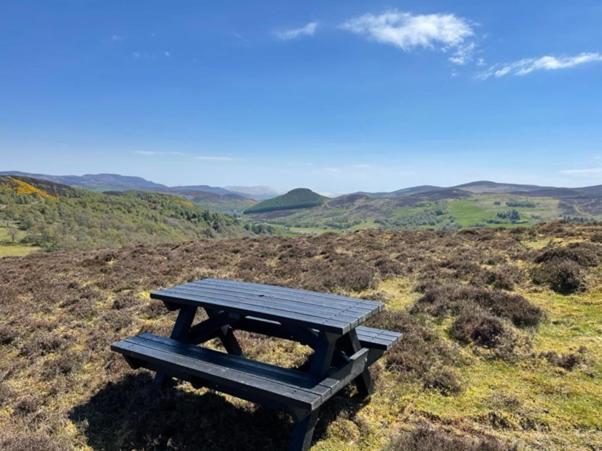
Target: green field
{"x":7,"y":250}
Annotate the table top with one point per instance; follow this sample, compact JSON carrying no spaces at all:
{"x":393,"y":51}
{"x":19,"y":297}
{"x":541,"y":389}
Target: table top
{"x":321,"y":311}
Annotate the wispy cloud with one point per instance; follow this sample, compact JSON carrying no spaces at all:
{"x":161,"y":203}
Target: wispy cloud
{"x":308,"y":29}
{"x":528,"y":65}
{"x":446,"y":32}
{"x":582,"y":172}
{"x":213,"y":158}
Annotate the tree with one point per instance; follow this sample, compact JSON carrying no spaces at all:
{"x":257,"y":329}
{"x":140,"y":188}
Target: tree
{"x":12,"y":232}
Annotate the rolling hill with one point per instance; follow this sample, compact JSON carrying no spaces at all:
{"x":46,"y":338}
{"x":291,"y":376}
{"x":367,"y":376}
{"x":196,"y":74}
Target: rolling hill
{"x":295,"y":199}
{"x":481,"y":203}
{"x":231,"y":200}
{"x":253,"y":192}
{"x":40,"y":213}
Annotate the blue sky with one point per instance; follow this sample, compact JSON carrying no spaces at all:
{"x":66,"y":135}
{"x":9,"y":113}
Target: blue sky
{"x":336,"y":96}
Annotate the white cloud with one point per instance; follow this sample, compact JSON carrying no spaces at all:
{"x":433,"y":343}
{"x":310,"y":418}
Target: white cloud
{"x":213,"y":158}
{"x":528,"y":65}
{"x":582,"y":172}
{"x":294,"y":33}
{"x":406,"y":31}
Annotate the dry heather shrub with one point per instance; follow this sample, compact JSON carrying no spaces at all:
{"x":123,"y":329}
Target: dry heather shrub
{"x":445,"y":380}
{"x":452,"y":299}
{"x":426,"y":437}
{"x":387,"y":267}
{"x":6,"y":394}
{"x":566,"y":361}
{"x":504,"y":278}
{"x":22,"y":441}
{"x":562,"y":276}
{"x":596,"y":238}
{"x":42,"y":343}
{"x":584,"y":254}
{"x":8,"y":334}
{"x":418,"y":351}
{"x":478,"y":327}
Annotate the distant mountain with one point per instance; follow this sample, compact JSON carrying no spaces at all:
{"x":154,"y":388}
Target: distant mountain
{"x":486,"y":186}
{"x":254,"y":192}
{"x":96,"y":182}
{"x":228,"y":202}
{"x":200,"y":188}
{"x":475,"y":204}
{"x":295,"y":199}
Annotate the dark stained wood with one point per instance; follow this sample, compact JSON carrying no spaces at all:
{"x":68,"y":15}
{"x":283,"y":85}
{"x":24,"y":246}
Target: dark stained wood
{"x":256,"y":381}
{"x":333,"y":313}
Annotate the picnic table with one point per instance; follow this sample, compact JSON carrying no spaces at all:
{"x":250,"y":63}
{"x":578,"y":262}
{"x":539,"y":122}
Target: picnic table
{"x":330,"y":324}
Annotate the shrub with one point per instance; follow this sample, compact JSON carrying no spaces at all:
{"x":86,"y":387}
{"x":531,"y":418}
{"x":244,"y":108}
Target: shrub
{"x":386,"y":267}
{"x":8,"y":334}
{"x":562,"y":276}
{"x":444,"y":380}
{"x":566,"y":361}
{"x":453,"y":298}
{"x":418,"y":351}
{"x":479,"y":328}
{"x":584,"y":254}
{"x":426,"y":437}
{"x":504,"y":278}
{"x":26,"y":440}
{"x":596,"y":238}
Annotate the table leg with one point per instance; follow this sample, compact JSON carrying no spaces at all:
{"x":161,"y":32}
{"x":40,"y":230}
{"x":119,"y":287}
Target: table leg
{"x":226,"y":336}
{"x":303,"y":432}
{"x":321,"y":360}
{"x":350,"y":344}
{"x":179,"y":332}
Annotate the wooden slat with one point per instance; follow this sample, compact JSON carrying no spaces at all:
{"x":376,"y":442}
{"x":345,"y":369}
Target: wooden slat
{"x":322,"y":311}
{"x":317,"y":303}
{"x":288,"y":293}
{"x":260,"y":311}
{"x":227,"y":376}
{"x":256,"y":381}
{"x":277,"y":304}
{"x":377,"y":338}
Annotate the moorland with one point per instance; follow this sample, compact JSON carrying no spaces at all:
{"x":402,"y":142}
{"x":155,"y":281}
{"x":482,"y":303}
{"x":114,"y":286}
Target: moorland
{"x":501,"y":341}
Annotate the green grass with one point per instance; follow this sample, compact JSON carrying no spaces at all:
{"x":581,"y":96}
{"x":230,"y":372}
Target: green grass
{"x":468,"y":212}
{"x":9,"y":250}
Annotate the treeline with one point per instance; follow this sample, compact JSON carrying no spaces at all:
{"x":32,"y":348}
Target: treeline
{"x":89,"y":220}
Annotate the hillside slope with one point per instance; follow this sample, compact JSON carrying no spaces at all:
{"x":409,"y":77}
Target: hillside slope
{"x":295,"y":199}
{"x":491,"y":357}
{"x":477,"y":204}
{"x":54,"y":216}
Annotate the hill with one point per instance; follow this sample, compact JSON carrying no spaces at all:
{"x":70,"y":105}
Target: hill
{"x":476,"y":204}
{"x":254,"y":192}
{"x":221,"y":202}
{"x":295,"y":199}
{"x":496,"y":353}
{"x":95,"y":182}
{"x":215,"y":198}
{"x":45,"y":214}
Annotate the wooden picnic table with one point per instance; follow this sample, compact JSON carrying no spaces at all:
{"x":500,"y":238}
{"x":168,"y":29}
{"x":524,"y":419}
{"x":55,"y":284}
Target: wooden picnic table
{"x":330,"y":324}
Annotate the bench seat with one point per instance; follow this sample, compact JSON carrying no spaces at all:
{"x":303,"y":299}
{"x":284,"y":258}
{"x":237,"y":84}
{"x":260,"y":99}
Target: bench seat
{"x":371,"y":337}
{"x":259,"y":382}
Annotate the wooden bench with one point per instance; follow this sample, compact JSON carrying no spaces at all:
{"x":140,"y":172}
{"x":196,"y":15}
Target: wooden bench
{"x":283,"y":388}
{"x":330,"y":324}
